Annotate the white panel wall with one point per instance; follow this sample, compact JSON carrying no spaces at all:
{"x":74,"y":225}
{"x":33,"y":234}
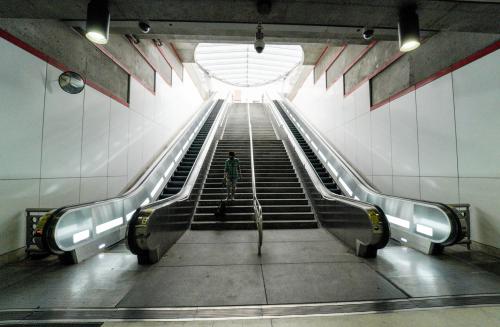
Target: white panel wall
{"x":59,"y":149}
{"x":95,"y":136}
{"x":22,"y":93}
{"x":62,"y":130}
{"x":438,"y":143}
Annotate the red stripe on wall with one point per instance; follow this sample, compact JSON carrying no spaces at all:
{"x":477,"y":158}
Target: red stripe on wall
{"x":337,"y":55}
{"x":389,"y":62}
{"x":122,"y":66}
{"x":146,"y":58}
{"x":361,"y":55}
{"x":316,"y":63}
{"x":174,"y":49}
{"x":459,"y":64}
{"x":358,"y":58}
{"x":162,"y":53}
{"x":321,"y":55}
{"x":39,"y":54}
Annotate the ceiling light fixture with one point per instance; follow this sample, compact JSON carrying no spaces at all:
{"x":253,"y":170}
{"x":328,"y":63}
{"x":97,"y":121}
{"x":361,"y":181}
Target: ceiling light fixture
{"x":259,"y":39}
{"x":408,"y":29}
{"x":98,"y":19}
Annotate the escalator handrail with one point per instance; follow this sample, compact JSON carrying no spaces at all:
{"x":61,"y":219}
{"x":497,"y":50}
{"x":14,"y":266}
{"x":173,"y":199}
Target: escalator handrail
{"x":195,"y":170}
{"x":257,"y":208}
{"x":453,"y":220}
{"x":86,"y":216}
{"x":380,"y":225}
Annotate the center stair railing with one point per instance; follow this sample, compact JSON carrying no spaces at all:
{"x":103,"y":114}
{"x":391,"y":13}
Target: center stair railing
{"x":257,"y":208}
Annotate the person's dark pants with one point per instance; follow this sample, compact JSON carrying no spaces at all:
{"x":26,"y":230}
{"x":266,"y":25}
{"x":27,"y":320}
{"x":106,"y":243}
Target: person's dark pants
{"x":231,"y":187}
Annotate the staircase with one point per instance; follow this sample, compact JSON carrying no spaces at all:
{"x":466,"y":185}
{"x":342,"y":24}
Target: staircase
{"x":180,"y":175}
{"x":284,"y":203}
{"x":240,"y":212}
{"x":283,"y":200}
{"x":323,"y":174}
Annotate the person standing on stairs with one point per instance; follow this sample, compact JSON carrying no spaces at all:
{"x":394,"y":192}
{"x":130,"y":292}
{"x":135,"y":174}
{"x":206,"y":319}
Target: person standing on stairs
{"x":232,"y":173}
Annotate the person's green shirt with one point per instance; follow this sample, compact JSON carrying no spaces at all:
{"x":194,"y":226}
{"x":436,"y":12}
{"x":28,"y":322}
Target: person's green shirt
{"x":232,"y":168}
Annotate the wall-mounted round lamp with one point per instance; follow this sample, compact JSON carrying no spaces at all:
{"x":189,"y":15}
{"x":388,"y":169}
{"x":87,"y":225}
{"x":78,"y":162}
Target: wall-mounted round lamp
{"x":98,"y":19}
{"x":71,"y":82}
{"x":408,"y":29}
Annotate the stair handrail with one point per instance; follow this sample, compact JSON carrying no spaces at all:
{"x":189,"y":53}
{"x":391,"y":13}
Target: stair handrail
{"x":424,"y":225}
{"x":257,"y":208}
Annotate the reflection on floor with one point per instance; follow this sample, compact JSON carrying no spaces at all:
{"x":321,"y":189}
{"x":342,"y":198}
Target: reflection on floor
{"x":219,"y":268}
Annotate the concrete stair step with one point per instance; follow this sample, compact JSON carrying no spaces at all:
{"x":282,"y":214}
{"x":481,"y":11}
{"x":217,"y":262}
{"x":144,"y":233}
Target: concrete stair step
{"x":246,"y":225}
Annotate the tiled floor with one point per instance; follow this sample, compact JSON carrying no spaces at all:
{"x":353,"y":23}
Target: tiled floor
{"x":219,"y":268}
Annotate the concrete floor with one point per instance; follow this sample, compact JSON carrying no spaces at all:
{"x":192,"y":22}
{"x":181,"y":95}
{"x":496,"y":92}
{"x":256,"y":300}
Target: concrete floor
{"x":457,"y":317}
{"x":221,"y":268}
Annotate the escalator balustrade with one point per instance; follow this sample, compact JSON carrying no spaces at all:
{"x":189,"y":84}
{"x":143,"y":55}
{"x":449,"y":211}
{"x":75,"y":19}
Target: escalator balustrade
{"x":180,"y":175}
{"x":323,"y":174}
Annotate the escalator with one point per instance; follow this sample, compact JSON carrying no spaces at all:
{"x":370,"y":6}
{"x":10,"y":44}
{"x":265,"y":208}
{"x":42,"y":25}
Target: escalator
{"x":326,"y":178}
{"x":180,"y":175}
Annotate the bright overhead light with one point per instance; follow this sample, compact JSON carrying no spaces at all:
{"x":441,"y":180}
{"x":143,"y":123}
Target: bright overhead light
{"x":98,"y":19}
{"x":240,"y":65}
{"x":408,"y":29}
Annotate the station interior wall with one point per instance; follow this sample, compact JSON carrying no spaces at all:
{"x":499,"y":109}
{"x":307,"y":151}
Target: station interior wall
{"x":439,"y":142}
{"x":59,"y":149}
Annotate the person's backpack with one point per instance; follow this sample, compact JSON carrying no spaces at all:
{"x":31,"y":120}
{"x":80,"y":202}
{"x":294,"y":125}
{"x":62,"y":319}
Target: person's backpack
{"x":220,"y":213}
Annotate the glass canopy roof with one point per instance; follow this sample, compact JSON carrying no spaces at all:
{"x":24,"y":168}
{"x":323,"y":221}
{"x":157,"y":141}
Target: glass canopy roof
{"x":241,"y":65}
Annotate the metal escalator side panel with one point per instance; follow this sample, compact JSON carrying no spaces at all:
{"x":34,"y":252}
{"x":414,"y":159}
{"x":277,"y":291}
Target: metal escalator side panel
{"x":424,"y":225}
{"x":359,"y":225}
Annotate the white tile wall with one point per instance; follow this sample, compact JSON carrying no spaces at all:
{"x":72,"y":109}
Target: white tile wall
{"x":363,"y":146}
{"x":93,"y":189}
{"x":436,"y":128}
{"x":381,"y":141}
{"x":15,"y":197}
{"x":404,"y":136}
{"x":62,"y":132}
{"x":350,"y":142}
{"x":483,"y":194}
{"x":135,"y":143}
{"x":405,"y":186}
{"x":116,"y":184}
{"x":439,"y":189}
{"x":58,"y":192}
{"x":95,"y":137}
{"x":362,"y":99}
{"x":118,"y":139}
{"x":477,"y":100}
{"x":413,"y":143}
{"x":349,"y":108}
{"x":383,"y":184}
{"x":21,"y":116}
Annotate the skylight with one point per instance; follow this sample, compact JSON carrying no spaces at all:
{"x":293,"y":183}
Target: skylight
{"x":241,"y":65}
